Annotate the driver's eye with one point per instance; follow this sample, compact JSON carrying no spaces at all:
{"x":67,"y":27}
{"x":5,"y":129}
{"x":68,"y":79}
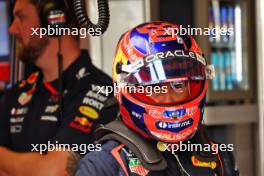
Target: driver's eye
{"x":178,"y":85}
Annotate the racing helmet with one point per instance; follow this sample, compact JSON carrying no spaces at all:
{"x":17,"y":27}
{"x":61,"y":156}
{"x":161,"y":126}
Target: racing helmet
{"x":153,"y":56}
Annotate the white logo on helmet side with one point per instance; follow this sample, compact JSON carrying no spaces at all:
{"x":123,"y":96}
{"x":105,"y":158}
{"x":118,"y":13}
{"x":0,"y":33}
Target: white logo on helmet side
{"x":176,"y":53}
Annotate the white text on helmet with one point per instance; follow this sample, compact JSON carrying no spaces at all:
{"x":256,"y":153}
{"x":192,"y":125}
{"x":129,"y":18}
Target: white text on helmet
{"x":176,"y":53}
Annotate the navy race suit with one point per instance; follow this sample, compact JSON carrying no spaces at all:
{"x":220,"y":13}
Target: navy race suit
{"x":116,"y":160}
{"x":29,"y":111}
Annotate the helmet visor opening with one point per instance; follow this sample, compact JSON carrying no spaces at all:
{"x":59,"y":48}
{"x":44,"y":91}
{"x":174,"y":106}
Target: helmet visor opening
{"x":169,"y":93}
{"x":162,"y":70}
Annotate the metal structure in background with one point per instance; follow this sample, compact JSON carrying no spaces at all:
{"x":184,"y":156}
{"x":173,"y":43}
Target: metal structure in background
{"x":16,"y":68}
{"x":260,"y":66}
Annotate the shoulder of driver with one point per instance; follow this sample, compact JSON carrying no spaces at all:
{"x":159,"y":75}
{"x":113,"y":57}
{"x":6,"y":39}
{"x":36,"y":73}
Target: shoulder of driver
{"x":99,"y":162}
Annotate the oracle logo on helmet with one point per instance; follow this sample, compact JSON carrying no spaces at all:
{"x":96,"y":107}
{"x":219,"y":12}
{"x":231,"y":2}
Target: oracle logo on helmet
{"x":175,"y":53}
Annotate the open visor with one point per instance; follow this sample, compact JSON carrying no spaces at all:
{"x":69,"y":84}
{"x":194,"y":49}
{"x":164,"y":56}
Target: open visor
{"x":162,"y":70}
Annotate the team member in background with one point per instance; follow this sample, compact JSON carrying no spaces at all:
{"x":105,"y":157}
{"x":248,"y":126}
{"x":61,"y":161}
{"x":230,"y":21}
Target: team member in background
{"x":144,"y":141}
{"x":30,"y":113}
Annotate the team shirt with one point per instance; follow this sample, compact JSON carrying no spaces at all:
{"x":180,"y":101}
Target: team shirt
{"x":30,"y":111}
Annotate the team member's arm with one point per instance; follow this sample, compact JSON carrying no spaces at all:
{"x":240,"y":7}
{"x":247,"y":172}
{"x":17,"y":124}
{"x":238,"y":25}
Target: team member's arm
{"x":27,"y":164}
{"x":3,"y":174}
{"x":19,"y":164}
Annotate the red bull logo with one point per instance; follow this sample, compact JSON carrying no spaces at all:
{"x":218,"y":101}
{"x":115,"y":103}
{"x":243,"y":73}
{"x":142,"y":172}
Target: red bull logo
{"x":82,"y":124}
{"x":83,"y":121}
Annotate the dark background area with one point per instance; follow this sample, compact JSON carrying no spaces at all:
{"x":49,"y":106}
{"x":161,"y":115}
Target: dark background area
{"x":178,"y":12}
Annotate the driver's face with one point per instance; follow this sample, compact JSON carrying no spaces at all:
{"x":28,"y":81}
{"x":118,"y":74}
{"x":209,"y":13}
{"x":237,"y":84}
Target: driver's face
{"x":176,"y":92}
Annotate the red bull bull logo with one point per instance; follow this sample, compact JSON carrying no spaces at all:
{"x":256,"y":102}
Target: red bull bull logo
{"x":82,"y":123}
